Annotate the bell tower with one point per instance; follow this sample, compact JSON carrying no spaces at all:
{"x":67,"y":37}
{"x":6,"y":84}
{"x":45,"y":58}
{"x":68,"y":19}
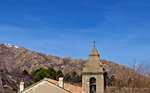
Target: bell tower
{"x":93,"y":74}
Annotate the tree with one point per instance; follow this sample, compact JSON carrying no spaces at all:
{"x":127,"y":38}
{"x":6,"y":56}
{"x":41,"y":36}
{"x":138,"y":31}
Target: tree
{"x":74,"y":74}
{"x":52,"y":73}
{"x":79,"y":78}
{"x":25,"y":72}
{"x":129,"y":81}
{"x":67,"y":77}
{"x":40,"y":74}
{"x":59,"y":74}
{"x":112,"y":78}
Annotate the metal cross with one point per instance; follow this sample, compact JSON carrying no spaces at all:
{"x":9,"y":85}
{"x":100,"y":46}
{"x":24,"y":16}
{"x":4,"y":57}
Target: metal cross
{"x":94,"y":42}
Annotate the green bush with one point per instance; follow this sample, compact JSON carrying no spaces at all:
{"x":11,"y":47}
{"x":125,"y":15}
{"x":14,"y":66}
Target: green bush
{"x":25,"y":72}
{"x":52,"y":73}
{"x":67,"y":77}
{"x":40,"y":74}
{"x":59,"y":74}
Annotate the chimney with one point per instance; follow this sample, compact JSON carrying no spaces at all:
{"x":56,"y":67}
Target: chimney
{"x":21,"y":86}
{"x":61,"y":83}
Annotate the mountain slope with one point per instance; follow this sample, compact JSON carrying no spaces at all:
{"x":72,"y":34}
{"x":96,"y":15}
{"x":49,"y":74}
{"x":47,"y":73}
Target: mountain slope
{"x":14,"y":57}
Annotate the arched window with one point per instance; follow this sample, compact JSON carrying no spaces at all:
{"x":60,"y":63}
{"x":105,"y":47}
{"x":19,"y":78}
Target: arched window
{"x":92,"y":85}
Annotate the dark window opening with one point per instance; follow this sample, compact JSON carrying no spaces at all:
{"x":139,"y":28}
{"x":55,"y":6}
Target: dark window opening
{"x":92,"y":85}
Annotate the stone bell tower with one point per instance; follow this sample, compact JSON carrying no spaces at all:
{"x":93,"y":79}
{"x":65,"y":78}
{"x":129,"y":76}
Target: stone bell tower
{"x":93,"y":74}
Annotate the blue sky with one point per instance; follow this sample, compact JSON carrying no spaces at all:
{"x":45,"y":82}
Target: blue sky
{"x":65,"y":28}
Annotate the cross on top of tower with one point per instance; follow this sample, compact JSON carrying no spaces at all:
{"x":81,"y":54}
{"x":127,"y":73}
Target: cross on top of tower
{"x":94,"y":42}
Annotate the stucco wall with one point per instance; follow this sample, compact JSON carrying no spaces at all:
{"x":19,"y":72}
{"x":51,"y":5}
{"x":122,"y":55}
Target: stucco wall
{"x":45,"y":87}
{"x":99,"y":83}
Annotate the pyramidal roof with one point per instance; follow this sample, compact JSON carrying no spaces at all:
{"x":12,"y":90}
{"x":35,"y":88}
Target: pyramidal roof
{"x":94,"y":52}
{"x":93,"y":63}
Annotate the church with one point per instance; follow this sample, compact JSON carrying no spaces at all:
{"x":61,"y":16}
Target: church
{"x":93,"y":80}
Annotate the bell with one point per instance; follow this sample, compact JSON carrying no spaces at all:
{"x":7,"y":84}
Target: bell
{"x":93,"y":88}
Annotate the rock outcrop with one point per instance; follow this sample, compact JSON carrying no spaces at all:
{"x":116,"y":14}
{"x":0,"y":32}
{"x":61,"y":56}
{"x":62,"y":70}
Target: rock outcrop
{"x":12,"y":57}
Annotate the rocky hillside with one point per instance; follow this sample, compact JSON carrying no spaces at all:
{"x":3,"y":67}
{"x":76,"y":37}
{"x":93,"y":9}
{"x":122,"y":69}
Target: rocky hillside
{"x":14,"y":57}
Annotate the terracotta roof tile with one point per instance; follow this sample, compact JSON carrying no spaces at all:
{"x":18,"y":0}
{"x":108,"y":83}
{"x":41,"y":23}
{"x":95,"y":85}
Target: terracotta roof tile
{"x":67,"y":86}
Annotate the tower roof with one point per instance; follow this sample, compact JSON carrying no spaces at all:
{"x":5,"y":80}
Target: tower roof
{"x":93,"y":64}
{"x":94,"y":52}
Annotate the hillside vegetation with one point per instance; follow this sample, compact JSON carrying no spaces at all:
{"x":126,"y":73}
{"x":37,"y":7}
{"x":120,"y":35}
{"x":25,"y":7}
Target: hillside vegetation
{"x":12,"y":58}
{"x":20,"y":64}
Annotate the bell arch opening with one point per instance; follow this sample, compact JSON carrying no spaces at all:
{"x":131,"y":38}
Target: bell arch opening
{"x":92,"y":85}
